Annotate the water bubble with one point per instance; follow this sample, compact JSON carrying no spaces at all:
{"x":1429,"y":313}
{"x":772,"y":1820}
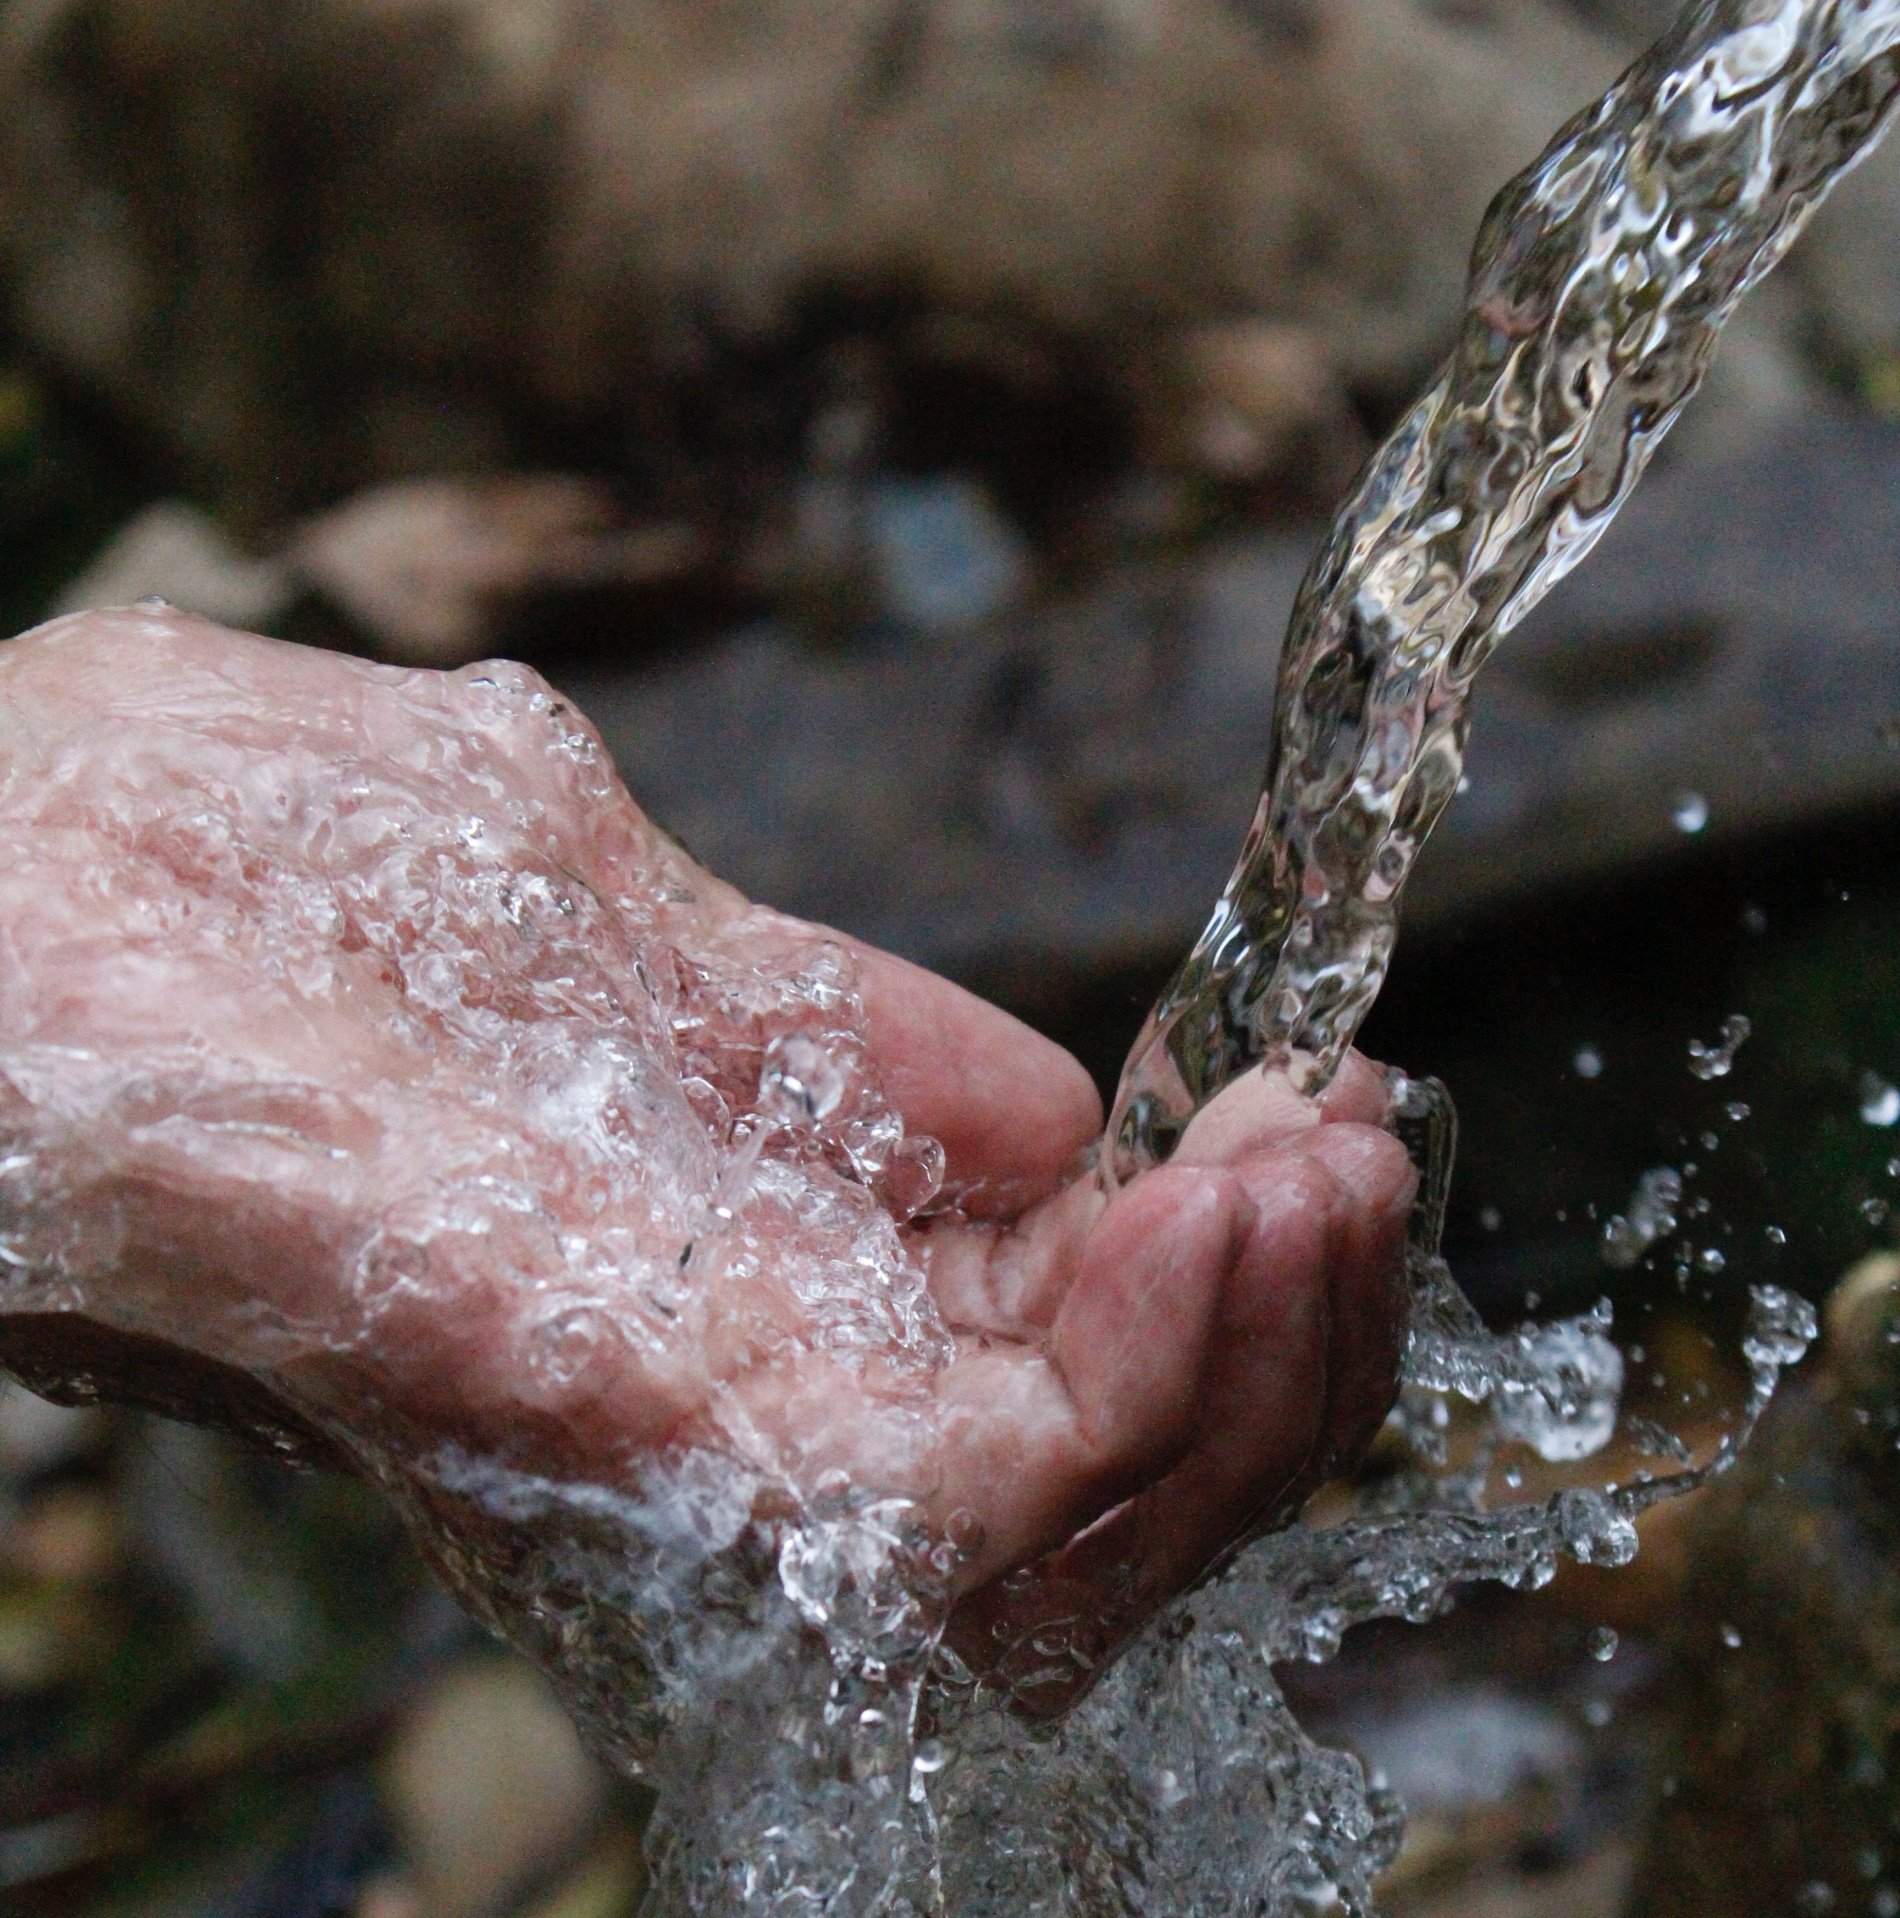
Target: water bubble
{"x":1603,"y":1644}
{"x":1711,"y":1259}
{"x":1169,"y":1792}
{"x":799,"y":1083}
{"x":1754,"y":921}
{"x":1815,"y":1898}
{"x":1587,"y":1063}
{"x":1874,"y":1211}
{"x":1781,"y":1327}
{"x":1736,"y":1111}
{"x":1597,"y":1712}
{"x":1490,"y":1218}
{"x":1718,"y":1061}
{"x":1879,"y":1100}
{"x":1690,"y":812}
{"x":1886,"y":1902}
{"x":563,"y":1343}
{"x":1775,"y":1235}
{"x":1730,"y":1637}
{"x":1593,"y":1530}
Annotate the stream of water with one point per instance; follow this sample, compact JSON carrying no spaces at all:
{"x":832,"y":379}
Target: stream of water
{"x":1599,"y":285}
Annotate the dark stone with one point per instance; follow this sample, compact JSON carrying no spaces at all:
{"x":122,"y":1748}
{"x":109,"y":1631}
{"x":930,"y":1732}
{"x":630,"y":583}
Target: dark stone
{"x":1057,"y":796}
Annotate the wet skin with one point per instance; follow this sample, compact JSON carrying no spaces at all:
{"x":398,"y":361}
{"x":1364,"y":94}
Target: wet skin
{"x":226,"y":1077}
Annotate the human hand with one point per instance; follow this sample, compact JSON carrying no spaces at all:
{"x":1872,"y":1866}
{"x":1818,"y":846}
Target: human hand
{"x":363,"y":1046}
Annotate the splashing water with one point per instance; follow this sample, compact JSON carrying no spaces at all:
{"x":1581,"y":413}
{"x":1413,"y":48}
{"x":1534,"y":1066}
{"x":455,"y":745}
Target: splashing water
{"x":1718,"y":1061}
{"x":782,"y":1679}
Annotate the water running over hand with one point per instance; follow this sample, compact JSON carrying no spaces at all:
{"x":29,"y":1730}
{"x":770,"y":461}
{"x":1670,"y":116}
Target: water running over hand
{"x":769,"y":1652}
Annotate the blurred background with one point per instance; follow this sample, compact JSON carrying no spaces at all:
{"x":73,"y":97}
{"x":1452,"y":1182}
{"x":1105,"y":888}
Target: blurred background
{"x":902,"y":425}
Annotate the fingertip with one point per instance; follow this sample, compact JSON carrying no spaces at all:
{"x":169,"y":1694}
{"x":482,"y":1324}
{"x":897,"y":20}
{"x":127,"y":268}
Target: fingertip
{"x":1371,"y":1165}
{"x":1361,"y":1092}
{"x":1368,"y":1293}
{"x":1013,"y":1111}
{"x":1132,"y":1336}
{"x":1258,"y":1111}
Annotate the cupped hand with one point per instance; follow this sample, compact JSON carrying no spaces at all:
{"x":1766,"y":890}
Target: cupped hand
{"x":366,"y":1055}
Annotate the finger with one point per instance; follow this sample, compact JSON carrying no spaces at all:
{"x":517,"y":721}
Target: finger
{"x":1328,"y":1232}
{"x":1361,"y":1093}
{"x":1012,"y":1110}
{"x":1257,"y":1113}
{"x":1261,"y":1109}
{"x":1302,"y":1361}
{"x":1010,"y":1282}
{"x":1368,"y":1293}
{"x":1038,"y":1442}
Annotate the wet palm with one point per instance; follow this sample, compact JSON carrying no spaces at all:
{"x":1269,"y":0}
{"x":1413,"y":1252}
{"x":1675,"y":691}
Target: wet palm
{"x":361,"y":1038}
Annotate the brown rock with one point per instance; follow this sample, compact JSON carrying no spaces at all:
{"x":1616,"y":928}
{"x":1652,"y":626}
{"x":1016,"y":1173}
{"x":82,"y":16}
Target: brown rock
{"x":489,"y":1788}
{"x":321,"y":246}
{"x":434,"y":568}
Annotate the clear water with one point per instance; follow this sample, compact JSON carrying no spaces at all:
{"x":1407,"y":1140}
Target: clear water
{"x":1599,"y":284}
{"x":782,"y":1680}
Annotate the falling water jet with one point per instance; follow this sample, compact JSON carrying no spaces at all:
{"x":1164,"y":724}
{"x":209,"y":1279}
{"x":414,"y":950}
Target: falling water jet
{"x":1600,"y":282}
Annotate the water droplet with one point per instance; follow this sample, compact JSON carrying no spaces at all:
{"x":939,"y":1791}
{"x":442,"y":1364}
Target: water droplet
{"x":1691,"y":812}
{"x":1730,"y":1637}
{"x":1588,"y":1063}
{"x":1603,"y":1644}
{"x":799,"y":1083}
{"x":1879,"y":1101}
{"x":1717,"y":1061}
{"x":1651,"y":1217}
